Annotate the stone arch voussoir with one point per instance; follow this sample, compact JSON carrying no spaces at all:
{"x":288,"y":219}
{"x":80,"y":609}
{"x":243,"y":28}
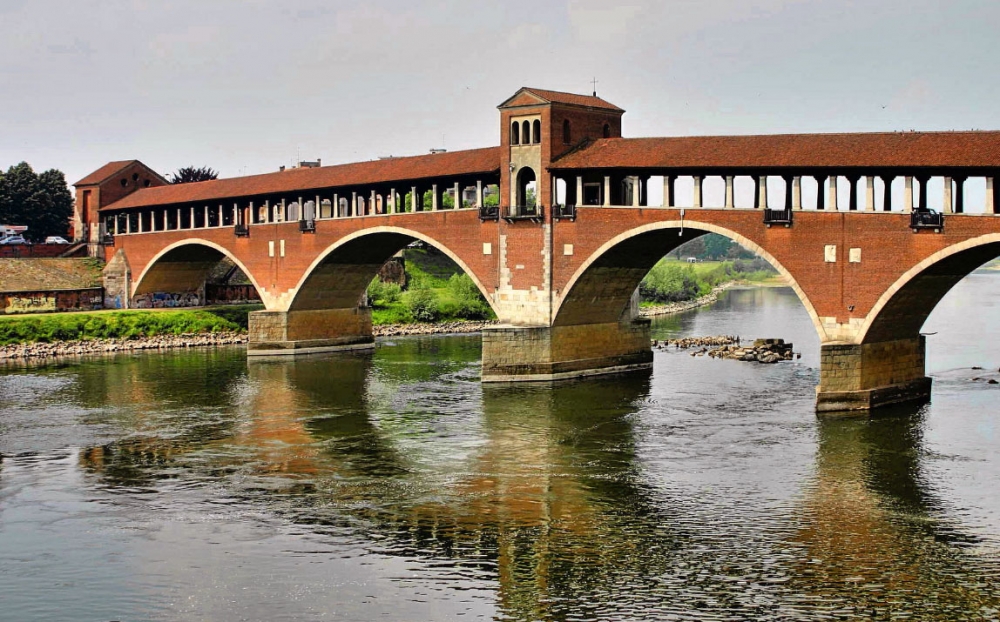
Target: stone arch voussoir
{"x":293,"y":299}
{"x":140,"y":284}
{"x":903,"y":308}
{"x":701,"y":228}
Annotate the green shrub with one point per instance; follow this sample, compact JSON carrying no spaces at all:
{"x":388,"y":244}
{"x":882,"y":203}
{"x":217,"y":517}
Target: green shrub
{"x":422,"y":304}
{"x":469,"y":302}
{"x":381,"y":294}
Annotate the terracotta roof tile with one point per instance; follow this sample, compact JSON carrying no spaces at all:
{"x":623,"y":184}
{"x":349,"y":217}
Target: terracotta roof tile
{"x":573,"y":99}
{"x":103,"y":173}
{"x":882,"y":150}
{"x":471,"y":162}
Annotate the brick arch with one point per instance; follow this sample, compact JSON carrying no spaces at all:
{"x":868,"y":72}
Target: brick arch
{"x":189,"y":262}
{"x":340,"y":274}
{"x":903,"y":308}
{"x":611,"y":274}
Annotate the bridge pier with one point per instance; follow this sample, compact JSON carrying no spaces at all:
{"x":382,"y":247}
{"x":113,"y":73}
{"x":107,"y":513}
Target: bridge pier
{"x":870,"y":375}
{"x":543,"y":353}
{"x":307,"y":331}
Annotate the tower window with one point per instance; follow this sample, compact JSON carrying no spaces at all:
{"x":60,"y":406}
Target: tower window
{"x":536,"y":131}
{"x":525,"y":133}
{"x":567,"y":138}
{"x":607,"y":131}
{"x":515,"y":133}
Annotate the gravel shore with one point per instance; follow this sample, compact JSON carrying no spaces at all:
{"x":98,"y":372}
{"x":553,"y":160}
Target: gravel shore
{"x":163,"y":342}
{"x":106,"y":346}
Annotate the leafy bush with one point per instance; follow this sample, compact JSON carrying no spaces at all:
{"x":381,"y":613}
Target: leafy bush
{"x":382,"y":295}
{"x":669,"y":282}
{"x":470,"y":303}
{"x":422,"y":304}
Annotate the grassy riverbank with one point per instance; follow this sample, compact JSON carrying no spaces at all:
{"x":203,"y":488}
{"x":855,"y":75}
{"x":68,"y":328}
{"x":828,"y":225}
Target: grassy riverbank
{"x":671,"y":280}
{"x":437,"y":291}
{"x":49,"y":328}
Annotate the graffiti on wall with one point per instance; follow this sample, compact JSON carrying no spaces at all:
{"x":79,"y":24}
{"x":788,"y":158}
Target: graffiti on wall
{"x":231,"y":294}
{"x":63,"y":300}
{"x":164,"y":300}
{"x":30,"y":303}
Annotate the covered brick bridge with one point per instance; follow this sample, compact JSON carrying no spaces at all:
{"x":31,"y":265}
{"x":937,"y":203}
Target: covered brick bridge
{"x":846,"y":218}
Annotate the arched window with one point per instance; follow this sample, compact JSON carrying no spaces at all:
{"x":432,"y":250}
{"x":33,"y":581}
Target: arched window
{"x":536,"y":131}
{"x":515,"y":133}
{"x":526,"y":187}
{"x":607,"y":131}
{"x":525,"y":133}
{"x":567,"y":138}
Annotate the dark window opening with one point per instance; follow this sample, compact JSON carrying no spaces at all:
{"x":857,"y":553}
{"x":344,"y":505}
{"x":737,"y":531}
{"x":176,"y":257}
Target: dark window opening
{"x":515,"y":133}
{"x":567,"y":138}
{"x":526,"y":187}
{"x":145,"y":183}
{"x":536,"y":131}
{"x":607,"y":131}
{"x":525,"y":133}
{"x":592,"y":194}
{"x":124,"y":183}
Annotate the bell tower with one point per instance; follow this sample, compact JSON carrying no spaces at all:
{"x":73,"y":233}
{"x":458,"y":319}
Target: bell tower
{"x":537,"y":126}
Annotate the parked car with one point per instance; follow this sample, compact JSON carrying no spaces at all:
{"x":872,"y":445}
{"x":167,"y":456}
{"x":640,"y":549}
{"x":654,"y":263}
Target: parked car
{"x":56,"y":239}
{"x":13,"y":239}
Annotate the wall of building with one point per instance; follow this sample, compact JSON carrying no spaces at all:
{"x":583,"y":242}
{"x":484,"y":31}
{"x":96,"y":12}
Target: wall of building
{"x":52,"y":301}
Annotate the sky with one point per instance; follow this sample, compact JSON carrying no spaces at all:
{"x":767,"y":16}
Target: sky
{"x":247,"y":86}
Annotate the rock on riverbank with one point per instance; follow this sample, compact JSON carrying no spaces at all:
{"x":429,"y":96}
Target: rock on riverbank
{"x":397,"y":330}
{"x":728,"y":347}
{"x":105,"y":346}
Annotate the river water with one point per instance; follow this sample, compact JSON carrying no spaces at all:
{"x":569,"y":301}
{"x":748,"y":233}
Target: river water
{"x":200,"y":486}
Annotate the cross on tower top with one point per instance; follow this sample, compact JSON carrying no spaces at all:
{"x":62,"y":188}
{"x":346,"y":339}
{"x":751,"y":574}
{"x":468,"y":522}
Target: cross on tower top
{"x":595,"y":86}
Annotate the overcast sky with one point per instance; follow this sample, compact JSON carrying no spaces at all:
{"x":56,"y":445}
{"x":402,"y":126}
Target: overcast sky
{"x":246,"y":86}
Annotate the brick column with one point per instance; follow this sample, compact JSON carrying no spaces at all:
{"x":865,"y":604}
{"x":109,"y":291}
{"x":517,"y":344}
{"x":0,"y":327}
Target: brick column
{"x":607,"y":191}
{"x":513,"y":354}
{"x":730,"y":192}
{"x":414,"y":202}
{"x":301,"y":332}
{"x":796,"y":192}
{"x":907,"y":194}
{"x":946,"y":205}
{"x":887,"y":193}
{"x":698,"y":196}
{"x":869,"y":193}
{"x":435,"y":206}
{"x":865,"y":376}
{"x":834,"y":203}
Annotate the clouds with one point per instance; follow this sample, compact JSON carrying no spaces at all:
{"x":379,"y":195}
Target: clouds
{"x":251,"y":84}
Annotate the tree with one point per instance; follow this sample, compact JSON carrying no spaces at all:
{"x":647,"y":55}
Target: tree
{"x":190,"y":174}
{"x":43,"y":202}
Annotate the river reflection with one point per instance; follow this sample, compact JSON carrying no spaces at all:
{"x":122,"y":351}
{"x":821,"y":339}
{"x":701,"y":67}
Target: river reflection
{"x":394,"y":485}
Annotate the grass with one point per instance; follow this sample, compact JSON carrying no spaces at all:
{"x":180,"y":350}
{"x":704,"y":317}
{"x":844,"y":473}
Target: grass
{"x":437,"y":291}
{"x":122,"y":324}
{"x":672,"y":280}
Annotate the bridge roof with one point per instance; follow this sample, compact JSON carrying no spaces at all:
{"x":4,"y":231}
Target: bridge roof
{"x":791,"y":151}
{"x":431,"y":166}
{"x":556,"y":97}
{"x":104,"y":172}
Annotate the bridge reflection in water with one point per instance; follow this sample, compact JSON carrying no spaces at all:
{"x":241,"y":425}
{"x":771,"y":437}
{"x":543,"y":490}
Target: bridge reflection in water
{"x":558,"y":496}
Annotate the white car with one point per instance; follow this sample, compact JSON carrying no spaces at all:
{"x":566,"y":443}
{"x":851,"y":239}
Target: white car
{"x":56,"y":239}
{"x":13,"y":239}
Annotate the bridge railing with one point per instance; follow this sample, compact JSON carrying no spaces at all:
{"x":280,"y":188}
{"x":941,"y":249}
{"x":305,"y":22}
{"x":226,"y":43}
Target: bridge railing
{"x":564,"y":212}
{"x":489,"y":212}
{"x":926,"y":219}
{"x":778,"y":217}
{"x":524,"y":212}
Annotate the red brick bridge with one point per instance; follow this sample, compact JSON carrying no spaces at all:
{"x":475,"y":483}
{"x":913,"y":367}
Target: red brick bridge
{"x":569,"y":233}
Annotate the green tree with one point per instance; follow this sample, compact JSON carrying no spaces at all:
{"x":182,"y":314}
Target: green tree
{"x":190,"y":174}
{"x":43,"y":202}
